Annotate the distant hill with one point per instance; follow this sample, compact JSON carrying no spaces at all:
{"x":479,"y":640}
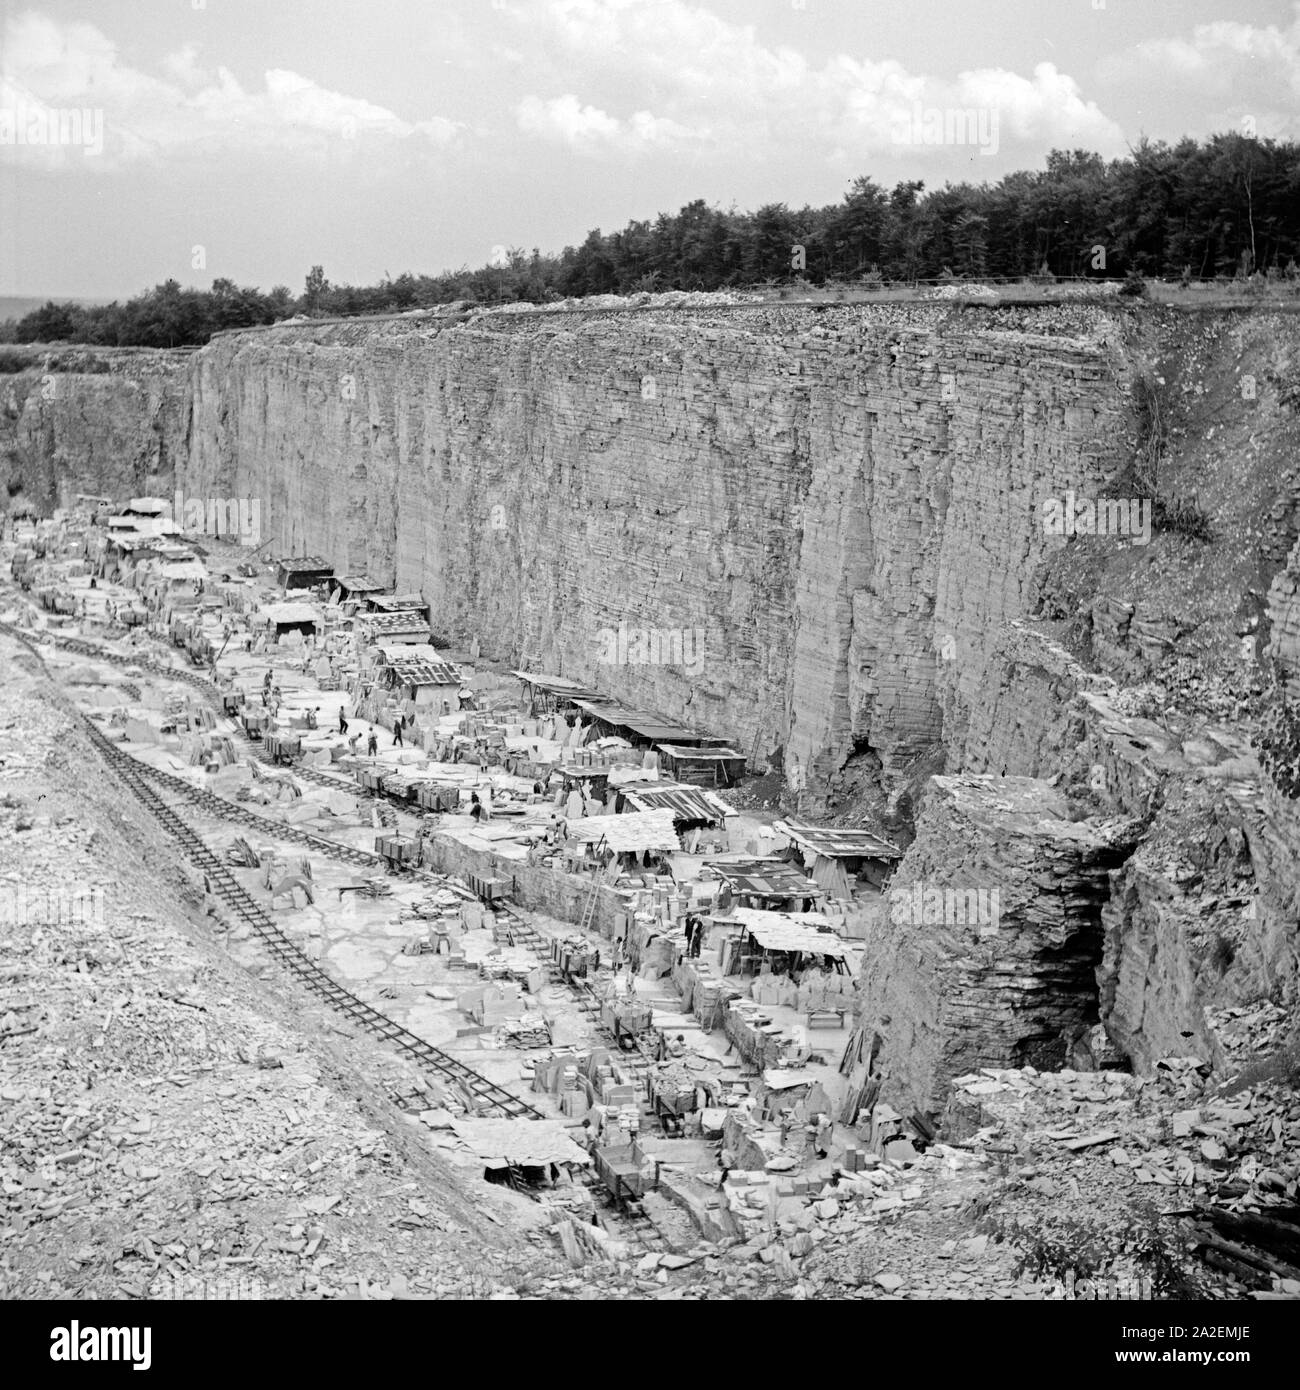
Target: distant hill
{"x":14,"y":306}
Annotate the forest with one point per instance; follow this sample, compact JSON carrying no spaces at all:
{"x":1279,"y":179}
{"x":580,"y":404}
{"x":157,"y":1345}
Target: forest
{"x":1225,"y":208}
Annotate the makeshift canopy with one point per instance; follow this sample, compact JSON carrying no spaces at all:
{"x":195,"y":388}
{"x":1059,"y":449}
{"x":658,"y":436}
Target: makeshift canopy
{"x":686,"y":803}
{"x":421,"y":673}
{"x":505,"y":1143}
{"x":764,"y":878}
{"x":834,"y":842}
{"x":783,"y":931}
{"x":394,"y":625}
{"x":627,"y":834}
{"x":284,"y":614}
{"x":644,"y":724}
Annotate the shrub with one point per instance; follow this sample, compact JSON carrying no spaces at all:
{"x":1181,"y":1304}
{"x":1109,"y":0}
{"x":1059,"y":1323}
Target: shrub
{"x":1184,"y":516}
{"x":1070,"y":1251}
{"x":1135,"y":285}
{"x":1277,"y":741}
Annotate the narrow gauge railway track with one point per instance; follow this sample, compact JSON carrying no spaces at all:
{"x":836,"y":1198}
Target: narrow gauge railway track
{"x":517,"y":929}
{"x":148,"y":663}
{"x":335,"y":781}
{"x":233,"y":810}
{"x":482,"y":1096}
{"x":525,"y":934}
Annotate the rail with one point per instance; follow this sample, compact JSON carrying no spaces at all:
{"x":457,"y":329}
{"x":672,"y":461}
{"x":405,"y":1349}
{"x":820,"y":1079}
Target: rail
{"x":481,"y":1095}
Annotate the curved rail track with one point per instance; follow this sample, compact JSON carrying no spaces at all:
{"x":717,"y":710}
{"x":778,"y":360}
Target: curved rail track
{"x":517,"y":930}
{"x":482,"y":1096}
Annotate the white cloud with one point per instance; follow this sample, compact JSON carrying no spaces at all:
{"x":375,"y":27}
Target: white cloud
{"x":1219,"y":57}
{"x":565,"y":120}
{"x":716,"y":86}
{"x":47,"y":67}
{"x":1048,"y":108}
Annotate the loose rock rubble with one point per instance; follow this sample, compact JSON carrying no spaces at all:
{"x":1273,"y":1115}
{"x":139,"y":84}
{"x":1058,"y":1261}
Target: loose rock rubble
{"x":1095,"y":1147}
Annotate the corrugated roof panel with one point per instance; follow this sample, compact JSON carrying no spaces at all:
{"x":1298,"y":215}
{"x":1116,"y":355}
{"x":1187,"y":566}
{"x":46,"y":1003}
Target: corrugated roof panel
{"x":836,"y":842}
{"x":686,"y":803}
{"x":423,"y":673}
{"x":772,"y":878}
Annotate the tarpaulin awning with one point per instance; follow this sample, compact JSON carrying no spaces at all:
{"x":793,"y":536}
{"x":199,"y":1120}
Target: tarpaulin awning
{"x":783,"y":931}
{"x":532,"y":1145}
{"x":556,"y":685}
{"x":396,"y":603}
{"x":284,"y":614}
{"x":640,"y":830}
{"x":179,"y":569}
{"x":387,"y":652}
{"x":686,"y":803}
{"x":833,"y":842}
{"x":295,"y":564}
{"x":717,"y":750}
{"x":357,"y":584}
{"x":778,"y":1079}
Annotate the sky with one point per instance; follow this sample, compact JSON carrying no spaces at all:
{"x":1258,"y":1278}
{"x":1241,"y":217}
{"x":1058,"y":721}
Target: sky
{"x":142,"y":140}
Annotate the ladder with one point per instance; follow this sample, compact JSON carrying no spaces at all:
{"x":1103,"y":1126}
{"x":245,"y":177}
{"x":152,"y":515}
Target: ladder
{"x":589,"y":911}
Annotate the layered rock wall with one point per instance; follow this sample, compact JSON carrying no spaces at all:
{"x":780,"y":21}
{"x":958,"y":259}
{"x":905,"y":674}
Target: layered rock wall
{"x":106,"y":422}
{"x":841,"y":508}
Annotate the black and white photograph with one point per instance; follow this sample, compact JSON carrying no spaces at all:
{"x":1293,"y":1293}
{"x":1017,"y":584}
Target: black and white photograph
{"x":649,"y":652}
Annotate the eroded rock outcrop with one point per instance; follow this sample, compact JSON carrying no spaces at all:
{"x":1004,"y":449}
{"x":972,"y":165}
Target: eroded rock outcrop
{"x":1000,"y":968}
{"x":109,"y":422}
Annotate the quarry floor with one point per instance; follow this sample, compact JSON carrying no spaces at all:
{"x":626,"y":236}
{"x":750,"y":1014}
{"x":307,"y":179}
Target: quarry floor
{"x":179,"y":1118}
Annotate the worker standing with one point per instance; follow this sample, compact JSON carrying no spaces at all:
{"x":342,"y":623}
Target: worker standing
{"x":372,"y":744}
{"x":397,"y":732}
{"x":343,"y":723}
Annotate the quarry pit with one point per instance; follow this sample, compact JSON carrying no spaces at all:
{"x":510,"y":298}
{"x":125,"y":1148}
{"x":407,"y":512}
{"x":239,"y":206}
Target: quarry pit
{"x":1017,"y":779}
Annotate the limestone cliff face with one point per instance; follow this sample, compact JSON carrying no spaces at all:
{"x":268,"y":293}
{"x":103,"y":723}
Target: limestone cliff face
{"x":836,"y":511}
{"x":101,"y":421}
